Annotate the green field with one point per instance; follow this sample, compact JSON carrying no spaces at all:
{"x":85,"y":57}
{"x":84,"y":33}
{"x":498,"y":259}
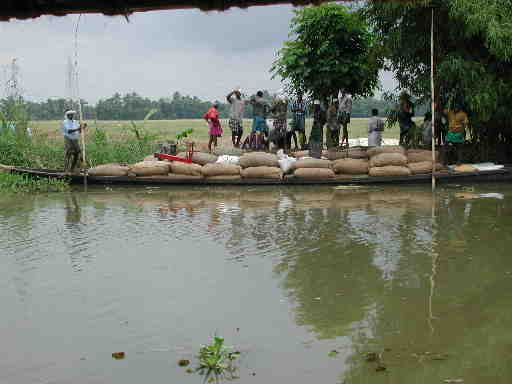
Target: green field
{"x":167,"y":129}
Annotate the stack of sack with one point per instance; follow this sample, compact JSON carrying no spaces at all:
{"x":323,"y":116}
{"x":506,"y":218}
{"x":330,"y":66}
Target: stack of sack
{"x":388,"y":161}
{"x":420,"y":161}
{"x":221,"y":171}
{"x":313,"y":169}
{"x":260,"y":165}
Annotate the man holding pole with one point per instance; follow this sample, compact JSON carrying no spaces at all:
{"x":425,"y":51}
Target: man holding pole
{"x":71,"y":130}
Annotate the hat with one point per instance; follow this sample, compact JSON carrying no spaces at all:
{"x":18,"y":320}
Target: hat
{"x":70,"y":112}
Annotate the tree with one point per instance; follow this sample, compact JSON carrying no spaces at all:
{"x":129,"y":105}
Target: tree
{"x":473,"y":47}
{"x":332,"y":49}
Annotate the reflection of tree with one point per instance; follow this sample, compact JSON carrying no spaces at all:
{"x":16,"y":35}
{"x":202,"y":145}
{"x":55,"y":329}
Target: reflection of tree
{"x":472,"y":308}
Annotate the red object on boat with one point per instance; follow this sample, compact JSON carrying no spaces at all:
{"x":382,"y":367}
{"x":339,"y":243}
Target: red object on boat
{"x":165,"y":156}
{"x":188,"y":159}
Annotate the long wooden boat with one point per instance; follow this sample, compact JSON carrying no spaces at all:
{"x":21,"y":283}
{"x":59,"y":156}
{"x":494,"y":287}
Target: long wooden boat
{"x":501,"y":175}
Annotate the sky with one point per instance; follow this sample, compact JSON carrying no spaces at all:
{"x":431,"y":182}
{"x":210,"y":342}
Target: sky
{"x":154,"y":54}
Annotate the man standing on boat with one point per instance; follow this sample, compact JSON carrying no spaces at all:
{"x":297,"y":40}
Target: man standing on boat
{"x":259,"y":123}
{"x":71,"y":130}
{"x":236,"y":115}
{"x":344,"y":112}
{"x":299,"y":120}
{"x":375,"y":129}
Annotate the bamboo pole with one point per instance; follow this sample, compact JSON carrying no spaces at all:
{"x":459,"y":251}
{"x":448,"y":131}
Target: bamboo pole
{"x":79,"y":101}
{"x":433,"y":102}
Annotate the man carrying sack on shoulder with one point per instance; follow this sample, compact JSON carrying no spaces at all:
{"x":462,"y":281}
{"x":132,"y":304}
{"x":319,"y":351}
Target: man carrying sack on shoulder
{"x":71,"y":130}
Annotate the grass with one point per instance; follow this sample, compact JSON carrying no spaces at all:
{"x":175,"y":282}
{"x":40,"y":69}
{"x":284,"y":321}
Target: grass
{"x":11,"y":183}
{"x":215,"y":360}
{"x":168,"y":129}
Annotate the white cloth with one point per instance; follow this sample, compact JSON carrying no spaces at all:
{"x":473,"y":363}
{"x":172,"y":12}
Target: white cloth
{"x":375,"y":124}
{"x":68,"y":125}
{"x":345,"y":104}
{"x":228,"y":159}
{"x":285,"y":162}
{"x":237,"y":108}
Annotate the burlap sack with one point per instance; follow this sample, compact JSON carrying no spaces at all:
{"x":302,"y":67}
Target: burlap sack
{"x":312,"y":163}
{"x":390,"y":170}
{"x":385,"y":149}
{"x":423,"y":167}
{"x":210,"y":170}
{"x":420,"y":155}
{"x":314,"y":173}
{"x":259,"y":159}
{"x":109,"y":170}
{"x":355,"y":153}
{"x":150,"y":168}
{"x":262,"y":173}
{"x":385,"y":159}
{"x":300,"y":154}
{"x":150,"y":158}
{"x":465,"y":168}
{"x":351,"y":166}
{"x":229,"y":151}
{"x":190,"y":169}
{"x":203,"y":158}
{"x":225,"y":177}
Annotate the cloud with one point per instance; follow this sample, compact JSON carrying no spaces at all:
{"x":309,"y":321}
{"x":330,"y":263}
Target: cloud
{"x":155,"y":54}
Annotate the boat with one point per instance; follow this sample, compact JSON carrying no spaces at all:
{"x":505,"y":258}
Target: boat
{"x":493,"y":176}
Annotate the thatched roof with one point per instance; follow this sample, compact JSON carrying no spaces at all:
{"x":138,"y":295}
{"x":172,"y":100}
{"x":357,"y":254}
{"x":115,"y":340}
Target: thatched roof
{"x":26,"y":9}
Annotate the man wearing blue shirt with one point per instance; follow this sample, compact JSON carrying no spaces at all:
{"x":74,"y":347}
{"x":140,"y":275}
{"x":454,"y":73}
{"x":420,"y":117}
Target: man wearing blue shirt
{"x":71,"y":131}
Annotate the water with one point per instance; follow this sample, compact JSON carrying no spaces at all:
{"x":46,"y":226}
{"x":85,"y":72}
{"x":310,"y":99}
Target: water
{"x":285,"y":275}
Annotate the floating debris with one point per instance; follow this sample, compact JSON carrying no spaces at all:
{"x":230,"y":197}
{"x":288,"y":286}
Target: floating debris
{"x":372,"y":356}
{"x":183,"y":363}
{"x":454,"y":380}
{"x":380,"y":368}
{"x":333,"y":353}
{"x":118,"y":355}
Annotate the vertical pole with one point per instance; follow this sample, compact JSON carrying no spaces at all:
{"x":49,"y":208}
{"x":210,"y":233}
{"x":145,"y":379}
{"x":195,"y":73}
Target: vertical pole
{"x":433,"y":102}
{"x":79,"y":101}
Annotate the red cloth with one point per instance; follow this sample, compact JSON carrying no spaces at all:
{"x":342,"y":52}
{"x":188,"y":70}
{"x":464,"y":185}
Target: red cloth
{"x":212,"y":117}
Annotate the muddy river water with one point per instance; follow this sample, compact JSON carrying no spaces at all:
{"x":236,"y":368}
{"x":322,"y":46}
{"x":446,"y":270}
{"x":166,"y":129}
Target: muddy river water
{"x":307,"y":283}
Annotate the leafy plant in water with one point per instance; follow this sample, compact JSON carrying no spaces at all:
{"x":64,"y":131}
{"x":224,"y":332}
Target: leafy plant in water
{"x":215,"y":360}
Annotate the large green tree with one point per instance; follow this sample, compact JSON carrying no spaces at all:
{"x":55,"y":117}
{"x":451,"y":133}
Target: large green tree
{"x":473,"y":50}
{"x":331,"y":49}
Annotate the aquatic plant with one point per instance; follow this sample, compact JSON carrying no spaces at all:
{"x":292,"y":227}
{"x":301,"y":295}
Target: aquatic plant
{"x":216,"y":360}
{"x":24,"y":184}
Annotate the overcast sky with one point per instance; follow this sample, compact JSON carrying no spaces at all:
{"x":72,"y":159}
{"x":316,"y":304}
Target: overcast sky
{"x":155,"y":54}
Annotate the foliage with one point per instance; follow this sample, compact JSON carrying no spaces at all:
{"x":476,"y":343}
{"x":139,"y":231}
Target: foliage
{"x":215,"y":359}
{"x":41,"y":151}
{"x":331,"y":49}
{"x":25,"y":184}
{"x":184,"y":134}
{"x":472,"y":51}
{"x":139,"y":130}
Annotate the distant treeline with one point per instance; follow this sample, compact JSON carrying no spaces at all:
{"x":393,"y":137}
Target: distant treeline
{"x":132,"y":106}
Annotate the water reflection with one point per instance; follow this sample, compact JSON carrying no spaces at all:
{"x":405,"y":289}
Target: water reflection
{"x":421,"y":279}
